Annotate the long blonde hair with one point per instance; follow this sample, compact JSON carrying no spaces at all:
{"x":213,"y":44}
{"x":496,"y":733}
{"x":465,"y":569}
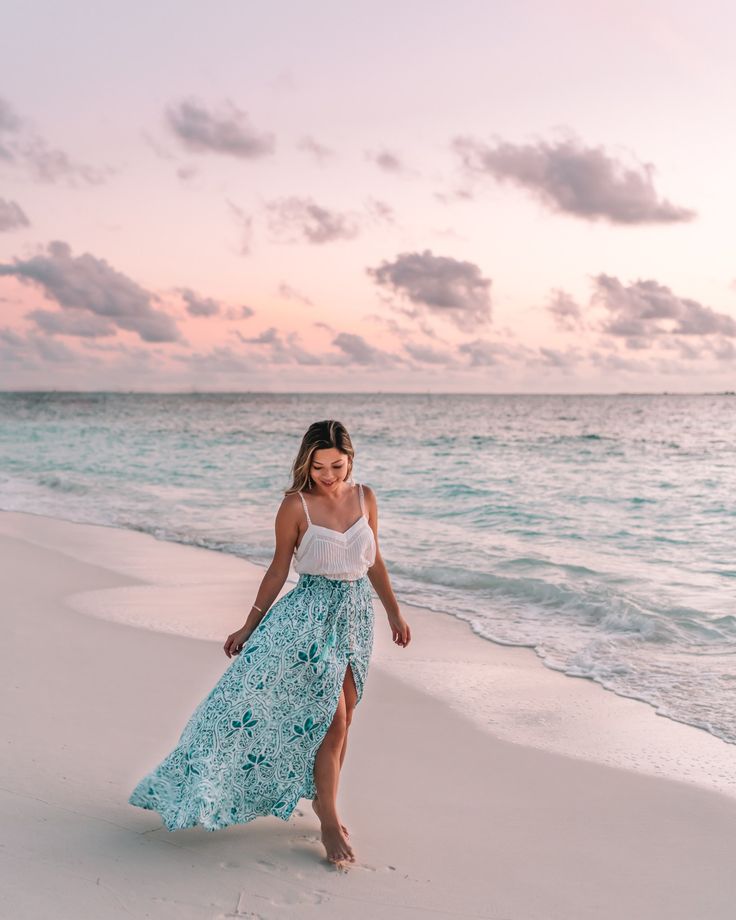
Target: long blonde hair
{"x":319,"y":435}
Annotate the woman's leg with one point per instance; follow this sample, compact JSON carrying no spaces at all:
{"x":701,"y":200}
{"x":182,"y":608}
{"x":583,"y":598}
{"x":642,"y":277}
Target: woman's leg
{"x":351,"y":699}
{"x":327,"y":765}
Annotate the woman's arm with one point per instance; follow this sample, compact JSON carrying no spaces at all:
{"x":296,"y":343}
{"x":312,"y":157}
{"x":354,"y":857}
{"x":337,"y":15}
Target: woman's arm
{"x":378,"y":576}
{"x":287,"y":533}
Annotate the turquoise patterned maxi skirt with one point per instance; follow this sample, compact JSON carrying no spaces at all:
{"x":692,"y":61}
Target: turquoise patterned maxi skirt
{"x":249,"y":747}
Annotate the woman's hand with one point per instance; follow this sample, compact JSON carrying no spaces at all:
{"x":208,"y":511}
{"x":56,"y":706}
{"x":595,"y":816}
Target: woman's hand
{"x":401,"y":633}
{"x":235,"y":641}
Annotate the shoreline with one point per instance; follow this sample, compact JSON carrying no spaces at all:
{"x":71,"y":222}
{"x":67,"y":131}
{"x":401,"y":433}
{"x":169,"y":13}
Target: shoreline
{"x":448,"y":820}
{"x":505,"y":690}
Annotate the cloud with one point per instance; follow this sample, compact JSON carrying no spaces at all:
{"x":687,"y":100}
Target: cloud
{"x":11,"y":337}
{"x":309,"y":221}
{"x":158,"y":148}
{"x":242,"y":312}
{"x":645,"y":314}
{"x":314,"y":148}
{"x":567,"y":314}
{"x":245,"y":222}
{"x":268,"y":336}
{"x":447,"y":287}
{"x":86,"y":283}
{"x":290,"y":293}
{"x":686,"y":348}
{"x":284,"y":349}
{"x":449,"y":233}
{"x":187,"y":171}
{"x":274,"y":347}
{"x":295,"y":353}
{"x":22,"y":146}
{"x":380,"y":211}
{"x":482,"y":353}
{"x":723,"y":349}
{"x":614,"y":362}
{"x":72,"y":322}
{"x":457,"y":194}
{"x":197,"y":305}
{"x":51,"y":165}
{"x":10,"y":124}
{"x":405,"y":336}
{"x":12,"y":216}
{"x":386,"y":160}
{"x":219,"y":360}
{"x":560,"y":360}
{"x":54,"y":351}
{"x":25,"y":350}
{"x":358,"y":351}
{"x":648,"y":310}
{"x":573,"y":179}
{"x":428,"y":355}
{"x":227,"y":132}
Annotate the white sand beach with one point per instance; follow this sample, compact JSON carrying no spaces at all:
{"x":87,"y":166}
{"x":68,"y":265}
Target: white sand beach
{"x":477,"y":782}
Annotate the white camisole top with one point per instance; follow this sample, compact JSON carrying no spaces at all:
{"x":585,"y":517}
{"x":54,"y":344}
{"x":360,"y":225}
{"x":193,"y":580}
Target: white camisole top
{"x":345,"y":556}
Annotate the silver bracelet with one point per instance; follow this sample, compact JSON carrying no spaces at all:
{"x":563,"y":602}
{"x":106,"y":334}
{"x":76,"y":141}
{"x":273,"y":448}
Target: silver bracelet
{"x":257,"y":608}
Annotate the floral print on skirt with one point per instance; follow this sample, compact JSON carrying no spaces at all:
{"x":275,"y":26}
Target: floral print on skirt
{"x":249,"y":747}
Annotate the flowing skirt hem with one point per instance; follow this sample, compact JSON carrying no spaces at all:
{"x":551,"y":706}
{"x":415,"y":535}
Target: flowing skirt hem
{"x":177,"y":822}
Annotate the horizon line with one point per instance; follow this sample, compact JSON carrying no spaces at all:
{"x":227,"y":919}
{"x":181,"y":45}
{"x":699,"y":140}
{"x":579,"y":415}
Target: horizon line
{"x":192,"y":392}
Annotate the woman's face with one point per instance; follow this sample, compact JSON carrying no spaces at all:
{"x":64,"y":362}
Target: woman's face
{"x":329,"y":468}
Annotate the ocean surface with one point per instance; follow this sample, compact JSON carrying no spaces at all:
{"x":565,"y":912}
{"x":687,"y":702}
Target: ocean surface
{"x":598,"y":530}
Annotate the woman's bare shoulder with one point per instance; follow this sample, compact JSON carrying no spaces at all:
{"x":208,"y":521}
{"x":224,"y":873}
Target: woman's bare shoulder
{"x":290,"y":506}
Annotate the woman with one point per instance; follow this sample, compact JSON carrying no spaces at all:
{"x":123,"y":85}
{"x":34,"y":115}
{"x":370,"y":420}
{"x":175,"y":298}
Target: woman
{"x":274,"y":728}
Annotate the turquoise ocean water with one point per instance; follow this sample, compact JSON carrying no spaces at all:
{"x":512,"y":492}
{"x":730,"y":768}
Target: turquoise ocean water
{"x":599,"y":530}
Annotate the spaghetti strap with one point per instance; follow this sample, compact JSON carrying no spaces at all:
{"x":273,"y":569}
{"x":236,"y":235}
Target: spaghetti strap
{"x":362,"y":503}
{"x":305,"y":508}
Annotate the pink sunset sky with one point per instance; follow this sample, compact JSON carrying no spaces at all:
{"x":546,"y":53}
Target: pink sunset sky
{"x":406,"y":196}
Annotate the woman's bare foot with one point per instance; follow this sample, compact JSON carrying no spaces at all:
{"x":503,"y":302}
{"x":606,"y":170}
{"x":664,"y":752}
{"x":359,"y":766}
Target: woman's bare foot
{"x":336,"y":846}
{"x":315,"y":806}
